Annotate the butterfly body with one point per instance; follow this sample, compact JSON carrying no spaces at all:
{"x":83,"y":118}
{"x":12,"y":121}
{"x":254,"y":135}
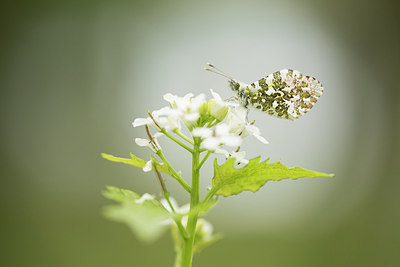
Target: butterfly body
{"x":284,"y":94}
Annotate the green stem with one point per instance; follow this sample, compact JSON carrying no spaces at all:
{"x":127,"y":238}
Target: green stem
{"x":181,"y":229}
{"x":175,"y":175}
{"x":184,"y":137}
{"x":166,"y":196}
{"x":177,"y":141}
{"x":205,"y":158}
{"x":209,"y":196}
{"x":213,"y":124}
{"x":187,"y":253}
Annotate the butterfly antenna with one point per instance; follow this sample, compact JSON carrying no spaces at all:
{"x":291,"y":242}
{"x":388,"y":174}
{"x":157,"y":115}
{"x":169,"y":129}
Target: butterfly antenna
{"x":218,"y":71}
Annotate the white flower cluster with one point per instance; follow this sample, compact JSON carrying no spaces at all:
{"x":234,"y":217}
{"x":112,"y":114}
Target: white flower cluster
{"x":216,"y":122}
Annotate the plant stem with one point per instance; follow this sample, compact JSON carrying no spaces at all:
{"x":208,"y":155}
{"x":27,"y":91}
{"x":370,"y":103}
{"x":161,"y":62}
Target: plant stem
{"x":209,"y":196}
{"x":176,"y":141}
{"x":187,"y":253}
{"x":205,"y":158}
{"x":184,"y":137}
{"x":166,"y":196}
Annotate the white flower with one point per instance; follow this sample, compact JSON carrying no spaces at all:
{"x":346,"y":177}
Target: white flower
{"x":220,"y":135}
{"x":152,"y":144}
{"x":238,"y":124}
{"x":165,"y":118}
{"x":187,"y":107}
{"x":180,"y":210}
{"x":217,"y":107}
{"x":254,"y":131}
{"x":168,"y":118}
{"x":237,"y":118}
{"x":202,"y":132}
{"x":238,"y":156}
{"x":141,"y":121}
{"x":148,"y":167}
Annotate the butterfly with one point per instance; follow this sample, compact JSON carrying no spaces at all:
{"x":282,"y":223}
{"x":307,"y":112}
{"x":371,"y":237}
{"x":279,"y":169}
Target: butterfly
{"x":286,"y":93}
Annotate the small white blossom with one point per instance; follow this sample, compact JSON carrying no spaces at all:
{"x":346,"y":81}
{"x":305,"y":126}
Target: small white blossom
{"x":202,"y":132}
{"x":218,"y":108}
{"x":141,"y":121}
{"x":180,"y":210}
{"x":152,"y":144}
{"x":220,"y":135}
{"x":187,"y":106}
{"x":238,"y":124}
{"x":165,"y":118}
{"x":168,"y":118}
{"x":238,"y":156}
{"x":148,"y":167}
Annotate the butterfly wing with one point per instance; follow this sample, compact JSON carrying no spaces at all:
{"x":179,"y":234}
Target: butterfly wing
{"x":285,"y":94}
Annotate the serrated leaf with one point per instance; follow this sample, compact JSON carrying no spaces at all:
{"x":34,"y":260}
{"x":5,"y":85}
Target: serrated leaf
{"x":148,"y":219}
{"x":136,"y":162}
{"x":229,"y":181}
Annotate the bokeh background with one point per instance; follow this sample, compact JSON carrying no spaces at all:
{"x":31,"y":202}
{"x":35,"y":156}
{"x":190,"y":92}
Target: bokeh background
{"x":75,"y":74}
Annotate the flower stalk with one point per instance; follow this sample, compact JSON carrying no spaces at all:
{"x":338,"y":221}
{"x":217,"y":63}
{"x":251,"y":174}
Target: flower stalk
{"x":187,"y":252}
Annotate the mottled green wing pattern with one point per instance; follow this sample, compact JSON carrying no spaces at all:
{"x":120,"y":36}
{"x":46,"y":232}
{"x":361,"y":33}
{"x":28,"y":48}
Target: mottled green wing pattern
{"x":285,"y":94}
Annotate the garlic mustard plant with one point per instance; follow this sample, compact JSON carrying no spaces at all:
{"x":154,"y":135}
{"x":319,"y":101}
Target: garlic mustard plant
{"x":215,"y":127}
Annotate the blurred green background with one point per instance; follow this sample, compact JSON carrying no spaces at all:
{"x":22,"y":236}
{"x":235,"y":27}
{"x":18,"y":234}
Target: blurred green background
{"x":75,"y":74}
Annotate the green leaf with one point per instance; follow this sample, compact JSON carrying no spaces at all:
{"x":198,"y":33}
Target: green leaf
{"x":137,"y":162}
{"x":134,"y":161}
{"x":147,"y":218}
{"x":229,"y":181}
{"x":120,"y":195}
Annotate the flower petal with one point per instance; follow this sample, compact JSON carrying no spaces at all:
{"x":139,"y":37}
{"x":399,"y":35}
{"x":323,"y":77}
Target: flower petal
{"x":222,"y":152}
{"x":191,"y":117}
{"x":169,"y":98}
{"x":216,"y":96}
{"x":141,"y":122}
{"x":142,"y":142}
{"x":148,"y":166}
{"x":261,"y":139}
{"x":212,"y":143}
{"x":202,"y":132}
{"x":232,"y":141}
